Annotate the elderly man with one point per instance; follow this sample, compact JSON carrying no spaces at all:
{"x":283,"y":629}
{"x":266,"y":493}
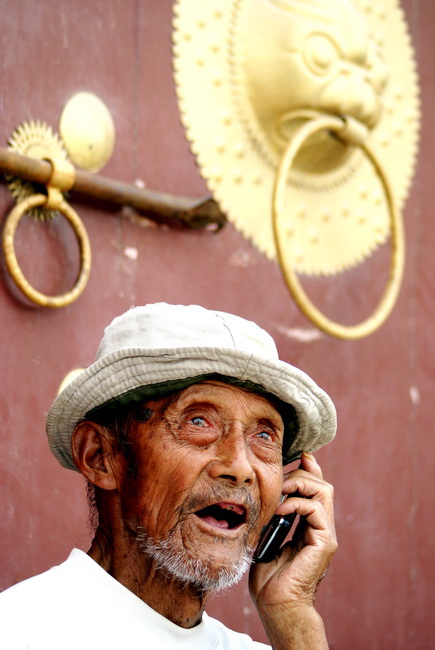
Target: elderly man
{"x":181,"y":428}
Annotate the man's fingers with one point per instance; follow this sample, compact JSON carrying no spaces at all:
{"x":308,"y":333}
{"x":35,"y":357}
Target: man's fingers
{"x":310,"y":464}
{"x":307,"y":482}
{"x":313,"y":511}
{"x":308,"y":489}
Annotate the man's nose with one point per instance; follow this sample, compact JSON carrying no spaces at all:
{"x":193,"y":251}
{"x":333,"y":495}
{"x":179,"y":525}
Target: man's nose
{"x":233,"y":461}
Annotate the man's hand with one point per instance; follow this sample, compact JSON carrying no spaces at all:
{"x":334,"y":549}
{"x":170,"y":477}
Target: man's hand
{"x":284,"y":589}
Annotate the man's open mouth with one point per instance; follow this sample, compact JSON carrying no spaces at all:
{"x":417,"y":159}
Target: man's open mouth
{"x":223,"y":515}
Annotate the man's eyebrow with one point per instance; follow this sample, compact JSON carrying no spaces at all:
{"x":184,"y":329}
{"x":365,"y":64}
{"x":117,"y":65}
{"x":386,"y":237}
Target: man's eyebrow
{"x":275,"y":417}
{"x":274,"y":422}
{"x":199,"y":403}
{"x":143,"y":413}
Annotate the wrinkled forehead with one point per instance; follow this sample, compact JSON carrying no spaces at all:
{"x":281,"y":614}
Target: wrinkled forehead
{"x":234,"y":399}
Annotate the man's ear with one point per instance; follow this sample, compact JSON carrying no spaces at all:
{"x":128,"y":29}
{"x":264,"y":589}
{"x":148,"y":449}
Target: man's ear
{"x":94,"y":455}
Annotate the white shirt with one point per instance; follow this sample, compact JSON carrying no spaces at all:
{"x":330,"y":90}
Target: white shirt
{"x":79,"y":606}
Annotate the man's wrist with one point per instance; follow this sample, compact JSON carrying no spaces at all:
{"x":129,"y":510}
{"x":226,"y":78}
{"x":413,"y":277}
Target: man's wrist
{"x":294,"y":627}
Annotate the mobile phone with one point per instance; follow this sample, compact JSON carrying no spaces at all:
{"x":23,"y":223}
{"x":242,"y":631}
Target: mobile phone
{"x":273,"y":536}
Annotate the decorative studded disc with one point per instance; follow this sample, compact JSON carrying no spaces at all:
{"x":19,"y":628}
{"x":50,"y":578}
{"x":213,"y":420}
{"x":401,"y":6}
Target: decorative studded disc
{"x":248,"y":73}
{"x":35,"y":140}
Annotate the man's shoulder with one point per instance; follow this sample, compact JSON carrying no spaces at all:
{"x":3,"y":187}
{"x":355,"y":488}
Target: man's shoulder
{"x":41,"y":587}
{"x":36,"y":612}
{"x":231,"y":640}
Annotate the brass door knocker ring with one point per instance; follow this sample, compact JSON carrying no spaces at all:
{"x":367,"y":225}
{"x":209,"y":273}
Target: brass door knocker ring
{"x":352,"y":132}
{"x":53,"y":201}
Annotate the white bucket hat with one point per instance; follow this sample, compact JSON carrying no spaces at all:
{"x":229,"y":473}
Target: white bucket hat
{"x":155,"y":349}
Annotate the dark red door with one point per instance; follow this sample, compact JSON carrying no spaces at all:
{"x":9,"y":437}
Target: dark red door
{"x":379,"y":593}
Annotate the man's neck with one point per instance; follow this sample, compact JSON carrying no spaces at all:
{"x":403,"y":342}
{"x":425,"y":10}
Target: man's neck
{"x":181,"y":604}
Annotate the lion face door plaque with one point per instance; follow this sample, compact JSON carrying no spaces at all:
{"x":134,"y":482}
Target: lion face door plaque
{"x":251,"y":73}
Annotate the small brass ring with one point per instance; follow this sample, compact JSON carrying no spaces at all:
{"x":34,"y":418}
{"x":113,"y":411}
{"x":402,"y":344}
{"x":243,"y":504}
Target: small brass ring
{"x":10,"y":227}
{"x":337,"y":125}
{"x":63,"y":173}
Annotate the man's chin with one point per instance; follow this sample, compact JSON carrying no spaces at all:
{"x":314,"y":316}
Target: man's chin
{"x":211,"y":572}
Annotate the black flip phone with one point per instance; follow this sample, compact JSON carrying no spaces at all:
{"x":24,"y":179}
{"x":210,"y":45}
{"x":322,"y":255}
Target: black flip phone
{"x":273,"y":536}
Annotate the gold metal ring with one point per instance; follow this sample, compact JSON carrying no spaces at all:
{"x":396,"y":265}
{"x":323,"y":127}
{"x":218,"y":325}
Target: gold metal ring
{"x":10,"y":227}
{"x":343,"y":128}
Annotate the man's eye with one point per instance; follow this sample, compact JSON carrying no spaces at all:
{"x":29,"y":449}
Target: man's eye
{"x":265,"y":435}
{"x":198,"y":421}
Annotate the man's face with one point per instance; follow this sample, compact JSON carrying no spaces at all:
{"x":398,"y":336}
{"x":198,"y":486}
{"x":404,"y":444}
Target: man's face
{"x":208,"y":476}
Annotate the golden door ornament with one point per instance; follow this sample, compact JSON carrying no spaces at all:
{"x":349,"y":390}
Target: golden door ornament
{"x":88,"y":131}
{"x":34,"y":139}
{"x":62,"y":179}
{"x":350,"y":131}
{"x":251,"y":73}
{"x":37,"y":157}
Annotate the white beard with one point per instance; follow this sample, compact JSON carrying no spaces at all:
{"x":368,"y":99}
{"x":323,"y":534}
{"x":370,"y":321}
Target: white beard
{"x":192,"y":571}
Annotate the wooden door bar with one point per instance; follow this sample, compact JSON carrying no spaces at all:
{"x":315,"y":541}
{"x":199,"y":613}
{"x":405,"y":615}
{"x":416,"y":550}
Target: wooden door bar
{"x":190,"y":212}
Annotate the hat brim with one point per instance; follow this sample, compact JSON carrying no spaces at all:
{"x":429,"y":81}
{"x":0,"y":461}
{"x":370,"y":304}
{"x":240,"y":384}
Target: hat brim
{"x":124,"y":370}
